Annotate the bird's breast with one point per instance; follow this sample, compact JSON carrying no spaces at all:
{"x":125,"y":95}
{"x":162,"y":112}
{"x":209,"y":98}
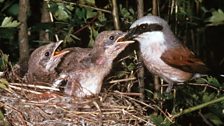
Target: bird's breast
{"x":152,"y":59}
{"x":86,"y":82}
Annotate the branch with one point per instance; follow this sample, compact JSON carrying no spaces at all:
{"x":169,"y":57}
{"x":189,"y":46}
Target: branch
{"x":23,"y":32}
{"x":154,"y":7}
{"x":86,"y":6}
{"x":140,"y":9}
{"x":115,"y":15}
{"x":191,"y":109}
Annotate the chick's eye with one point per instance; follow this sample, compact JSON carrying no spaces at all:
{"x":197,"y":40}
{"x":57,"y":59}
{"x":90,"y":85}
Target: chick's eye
{"x":47,"y":54}
{"x":111,"y":38}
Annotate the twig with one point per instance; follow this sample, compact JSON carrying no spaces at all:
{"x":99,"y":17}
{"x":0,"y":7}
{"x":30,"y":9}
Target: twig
{"x":100,"y":113}
{"x":87,"y":24}
{"x":138,"y":118}
{"x":131,"y":109}
{"x":22,"y":89}
{"x":35,"y":86}
{"x":86,"y":6}
{"x":191,"y":109}
{"x":206,"y":85}
{"x":130,"y":94}
{"x":122,"y":80}
{"x":195,"y":84}
{"x":115,"y":15}
{"x":141,"y":102}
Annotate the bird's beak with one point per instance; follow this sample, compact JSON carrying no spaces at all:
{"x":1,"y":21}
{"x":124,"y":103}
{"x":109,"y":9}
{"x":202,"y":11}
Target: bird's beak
{"x":124,"y":39}
{"x":56,"y":56}
{"x":57,"y":52}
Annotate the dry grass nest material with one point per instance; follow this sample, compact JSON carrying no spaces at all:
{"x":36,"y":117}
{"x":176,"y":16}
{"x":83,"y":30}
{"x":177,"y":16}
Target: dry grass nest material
{"x":34,"y":105}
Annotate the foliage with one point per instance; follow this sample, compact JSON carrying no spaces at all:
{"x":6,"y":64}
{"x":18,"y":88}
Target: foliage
{"x":8,"y":26}
{"x":3,"y":83}
{"x":127,"y":14}
{"x":8,"y":22}
{"x":217,"y":17}
{"x":4,"y":60}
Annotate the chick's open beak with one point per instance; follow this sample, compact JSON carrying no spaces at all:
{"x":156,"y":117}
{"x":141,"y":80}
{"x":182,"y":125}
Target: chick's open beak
{"x":55,"y":56}
{"x":57,"y":52}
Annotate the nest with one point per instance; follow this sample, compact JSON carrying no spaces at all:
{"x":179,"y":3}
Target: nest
{"x":34,"y":105}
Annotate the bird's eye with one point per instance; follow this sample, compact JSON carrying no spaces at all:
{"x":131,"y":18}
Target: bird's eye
{"x":47,"y":54}
{"x":111,"y":37}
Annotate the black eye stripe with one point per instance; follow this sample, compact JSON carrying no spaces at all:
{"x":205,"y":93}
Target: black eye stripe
{"x":139,"y":29}
{"x":147,"y":27}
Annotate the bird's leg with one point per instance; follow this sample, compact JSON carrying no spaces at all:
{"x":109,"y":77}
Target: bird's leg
{"x":71,"y":88}
{"x":139,"y":65}
{"x":170,"y":87}
{"x":59,"y":80}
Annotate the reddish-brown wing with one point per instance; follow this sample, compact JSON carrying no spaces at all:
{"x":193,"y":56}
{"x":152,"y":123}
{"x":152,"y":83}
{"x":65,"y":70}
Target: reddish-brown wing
{"x":184,"y":59}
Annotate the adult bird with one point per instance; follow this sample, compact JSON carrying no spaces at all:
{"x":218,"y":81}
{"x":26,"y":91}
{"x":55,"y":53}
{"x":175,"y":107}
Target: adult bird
{"x":163,"y":54}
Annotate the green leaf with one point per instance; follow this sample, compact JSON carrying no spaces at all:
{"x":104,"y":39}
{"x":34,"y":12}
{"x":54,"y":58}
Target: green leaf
{"x":213,"y":81}
{"x":209,"y":80}
{"x":53,"y":7}
{"x":4,"y":60}
{"x":214,"y":119}
{"x":8,"y":22}
{"x":121,"y":74}
{"x":127,"y":15}
{"x":61,"y":14}
{"x":131,"y":10}
{"x":61,"y":11}
{"x":208,"y":97}
{"x":201,"y":80}
{"x":131,"y":66}
{"x":90,"y":13}
{"x":14,"y":9}
{"x":217,"y":17}
{"x":124,"y":11}
{"x":3,"y":83}
{"x":93,"y":34}
{"x":91,"y":2}
{"x":158,"y":120}
{"x":88,"y":2}
{"x":101,"y":17}
{"x":3,"y":121}
{"x":81,"y":13}
{"x":1,"y":116}
{"x":70,"y":7}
